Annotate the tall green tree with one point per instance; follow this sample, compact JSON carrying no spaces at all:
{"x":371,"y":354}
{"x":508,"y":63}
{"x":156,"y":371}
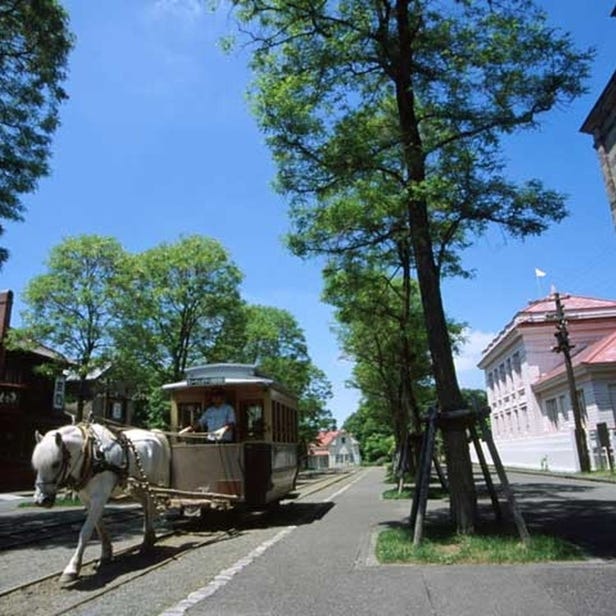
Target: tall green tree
{"x":382,"y":331}
{"x":34,"y":45}
{"x":371,"y":426}
{"x":70,"y":307}
{"x":418,"y":93}
{"x":177,"y":304}
{"x":274,"y":340}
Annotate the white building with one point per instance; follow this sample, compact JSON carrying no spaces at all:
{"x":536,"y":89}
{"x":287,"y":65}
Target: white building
{"x":334,"y":449}
{"x":528,"y":390}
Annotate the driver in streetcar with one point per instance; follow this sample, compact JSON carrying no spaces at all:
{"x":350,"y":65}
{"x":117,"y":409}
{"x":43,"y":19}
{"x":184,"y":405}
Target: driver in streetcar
{"x":218,"y":419}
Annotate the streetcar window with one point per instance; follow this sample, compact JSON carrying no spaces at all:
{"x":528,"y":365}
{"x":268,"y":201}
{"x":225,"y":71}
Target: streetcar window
{"x":254,"y":419}
{"x":188,"y":413}
{"x":284,"y":423}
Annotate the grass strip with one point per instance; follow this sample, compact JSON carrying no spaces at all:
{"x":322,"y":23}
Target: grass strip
{"x":448,"y":548}
{"x":59,"y":502}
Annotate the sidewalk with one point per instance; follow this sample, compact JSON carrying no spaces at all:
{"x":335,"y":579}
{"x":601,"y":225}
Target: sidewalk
{"x":10,"y":501}
{"x":328,"y":567}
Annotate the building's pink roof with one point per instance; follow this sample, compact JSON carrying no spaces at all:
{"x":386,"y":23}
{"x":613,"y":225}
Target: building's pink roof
{"x":569,"y":302}
{"x":325,"y":438}
{"x":323,"y":441}
{"x":542,"y":310}
{"x":600,"y":352}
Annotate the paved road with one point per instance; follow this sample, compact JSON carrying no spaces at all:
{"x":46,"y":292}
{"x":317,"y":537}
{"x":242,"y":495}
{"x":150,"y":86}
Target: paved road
{"x":324,"y":564}
{"x":581,"y":511}
{"x":327,"y":567}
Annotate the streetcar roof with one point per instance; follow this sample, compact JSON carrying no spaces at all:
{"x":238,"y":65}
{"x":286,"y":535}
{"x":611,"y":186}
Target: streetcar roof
{"x":221,"y":374}
{"x":218,"y":382}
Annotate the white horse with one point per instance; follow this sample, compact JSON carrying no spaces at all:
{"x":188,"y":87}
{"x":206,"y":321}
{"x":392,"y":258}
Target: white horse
{"x":96,"y":463}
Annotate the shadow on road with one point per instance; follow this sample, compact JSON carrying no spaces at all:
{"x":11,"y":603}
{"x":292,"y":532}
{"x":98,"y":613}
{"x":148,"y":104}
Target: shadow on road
{"x":282,"y":515}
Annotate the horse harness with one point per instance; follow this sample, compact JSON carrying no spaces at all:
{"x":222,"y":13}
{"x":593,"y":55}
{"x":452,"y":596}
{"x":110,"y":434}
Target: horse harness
{"x":94,"y":460}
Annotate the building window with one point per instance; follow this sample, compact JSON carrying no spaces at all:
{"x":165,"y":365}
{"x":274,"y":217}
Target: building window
{"x":517,"y":364}
{"x":525,"y":418}
{"x":551,"y":411}
{"x":563,"y":408}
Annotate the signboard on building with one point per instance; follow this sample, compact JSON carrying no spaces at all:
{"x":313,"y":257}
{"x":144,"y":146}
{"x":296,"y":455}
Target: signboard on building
{"x":58,"y":393}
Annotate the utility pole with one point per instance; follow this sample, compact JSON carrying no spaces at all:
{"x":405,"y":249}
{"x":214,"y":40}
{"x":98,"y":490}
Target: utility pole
{"x":564,"y":347}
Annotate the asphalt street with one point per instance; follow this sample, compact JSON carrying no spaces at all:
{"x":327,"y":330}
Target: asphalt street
{"x":328,"y":567}
{"x":325,"y":564}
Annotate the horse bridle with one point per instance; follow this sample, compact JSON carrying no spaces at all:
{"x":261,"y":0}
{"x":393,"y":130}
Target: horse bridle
{"x":64,"y":477}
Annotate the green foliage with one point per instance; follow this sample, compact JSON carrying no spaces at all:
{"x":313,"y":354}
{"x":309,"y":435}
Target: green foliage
{"x":386,"y":122}
{"x":327,"y":94}
{"x":377,"y":448}
{"x":147,"y":317}
{"x":34,"y":45}
{"x":371,"y":426}
{"x":156,"y":411}
{"x":396,"y":546}
{"x":274,"y":341}
{"x":382,"y":330}
{"x":70,"y":307}
{"x":178,"y":305}
{"x":475,"y":398}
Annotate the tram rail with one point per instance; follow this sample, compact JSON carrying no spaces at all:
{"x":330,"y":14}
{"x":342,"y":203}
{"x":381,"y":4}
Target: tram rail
{"x":59,"y":524}
{"x":187,"y":535}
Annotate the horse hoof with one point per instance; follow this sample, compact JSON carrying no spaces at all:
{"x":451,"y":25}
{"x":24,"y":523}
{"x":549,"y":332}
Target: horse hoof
{"x":66,"y":579}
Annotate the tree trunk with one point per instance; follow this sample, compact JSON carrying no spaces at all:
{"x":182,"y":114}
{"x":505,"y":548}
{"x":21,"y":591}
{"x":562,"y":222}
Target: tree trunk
{"x":463,"y":499}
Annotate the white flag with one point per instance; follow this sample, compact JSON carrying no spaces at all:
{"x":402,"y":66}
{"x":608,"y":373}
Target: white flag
{"x":539,"y":273}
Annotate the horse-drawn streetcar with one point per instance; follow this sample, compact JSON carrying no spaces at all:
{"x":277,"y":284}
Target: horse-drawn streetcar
{"x":249,"y":461}
{"x":258,"y":465}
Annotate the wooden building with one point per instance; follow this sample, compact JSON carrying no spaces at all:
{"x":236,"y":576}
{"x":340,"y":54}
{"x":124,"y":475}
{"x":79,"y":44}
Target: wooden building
{"x":26,"y":404}
{"x":104,"y":397}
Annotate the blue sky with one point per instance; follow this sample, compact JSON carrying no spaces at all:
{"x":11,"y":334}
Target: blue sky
{"x":157,"y":141}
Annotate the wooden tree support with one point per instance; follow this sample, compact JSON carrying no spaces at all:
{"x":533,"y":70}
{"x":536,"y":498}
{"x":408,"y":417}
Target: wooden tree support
{"x":427,"y":457}
{"x":486,"y":473}
{"x":422,"y":478}
{"x":486,"y":433}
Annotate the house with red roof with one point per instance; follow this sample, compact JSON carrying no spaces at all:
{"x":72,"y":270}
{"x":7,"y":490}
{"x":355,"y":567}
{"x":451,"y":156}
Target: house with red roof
{"x":333,"y":449}
{"x":528,"y":387}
